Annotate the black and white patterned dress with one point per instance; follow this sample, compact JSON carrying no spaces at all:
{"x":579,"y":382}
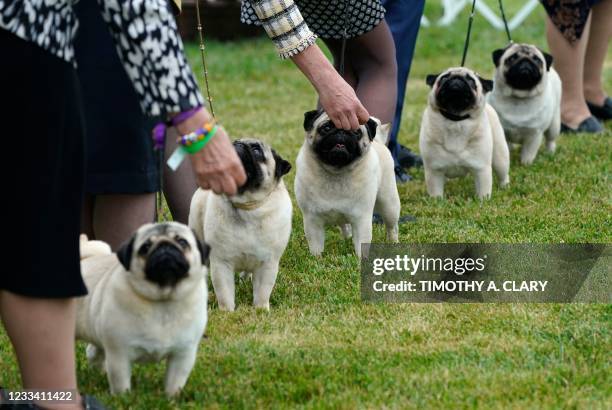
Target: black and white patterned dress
{"x":145,"y":34}
{"x":325,"y":19}
{"x":40,"y":90}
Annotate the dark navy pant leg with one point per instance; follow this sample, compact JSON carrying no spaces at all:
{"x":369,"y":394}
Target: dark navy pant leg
{"x":404,"y":19}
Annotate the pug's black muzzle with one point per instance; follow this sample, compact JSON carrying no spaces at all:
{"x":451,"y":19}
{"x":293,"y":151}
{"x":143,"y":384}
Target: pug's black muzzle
{"x":455,"y":95}
{"x":166,"y":265}
{"x":250,"y":165}
{"x":339,"y":149}
{"x":525,"y":74}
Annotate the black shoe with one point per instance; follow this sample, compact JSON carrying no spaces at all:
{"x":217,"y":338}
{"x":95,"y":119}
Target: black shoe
{"x":401,"y":176}
{"x":589,"y":126}
{"x":90,"y":403}
{"x":408,"y":159}
{"x":603,"y":112}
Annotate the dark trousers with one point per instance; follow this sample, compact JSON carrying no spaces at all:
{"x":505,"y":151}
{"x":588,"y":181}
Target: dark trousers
{"x":404,"y":20}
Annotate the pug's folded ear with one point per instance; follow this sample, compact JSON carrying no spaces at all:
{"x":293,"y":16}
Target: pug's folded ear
{"x":487,"y":85}
{"x":497,"y":55}
{"x":124,"y":254}
{"x":309,"y":119}
{"x":548,"y":58}
{"x":371,"y":126}
{"x":282,"y":166}
{"x":203,"y":248}
{"x":431,"y":79}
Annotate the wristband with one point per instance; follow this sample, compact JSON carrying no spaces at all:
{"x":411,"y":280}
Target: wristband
{"x":189,"y":141}
{"x":193,"y":147}
{"x":192,"y":143}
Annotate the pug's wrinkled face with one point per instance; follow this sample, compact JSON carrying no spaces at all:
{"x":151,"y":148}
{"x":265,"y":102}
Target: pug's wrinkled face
{"x":333,"y":146}
{"x":458,"y":92}
{"x":163,"y":260}
{"x":263,"y":166}
{"x":521,"y":66}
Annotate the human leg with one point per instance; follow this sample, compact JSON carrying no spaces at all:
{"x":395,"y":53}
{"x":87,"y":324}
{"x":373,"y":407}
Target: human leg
{"x":46,"y":351}
{"x":116,"y":216}
{"x":179,"y":185}
{"x":569,"y":62}
{"x":404,"y":20}
{"x":597,"y":48}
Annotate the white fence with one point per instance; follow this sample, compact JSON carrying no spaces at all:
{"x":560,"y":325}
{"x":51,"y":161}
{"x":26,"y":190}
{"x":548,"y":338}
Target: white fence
{"x":452,"y":8}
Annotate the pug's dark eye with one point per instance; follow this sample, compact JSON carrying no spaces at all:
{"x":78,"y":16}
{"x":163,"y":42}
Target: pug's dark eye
{"x":471,"y":82}
{"x":144,"y":249}
{"x":326,"y":128}
{"x":182,"y":242}
{"x":257,"y":152}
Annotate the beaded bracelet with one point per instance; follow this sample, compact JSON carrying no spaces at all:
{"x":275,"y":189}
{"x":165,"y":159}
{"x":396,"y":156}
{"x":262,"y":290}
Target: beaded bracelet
{"x":195,"y":141}
{"x":192,"y":143}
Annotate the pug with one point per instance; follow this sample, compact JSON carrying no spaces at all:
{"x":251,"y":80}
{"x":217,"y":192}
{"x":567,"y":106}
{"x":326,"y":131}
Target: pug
{"x":461,"y":133}
{"x":527,"y":97}
{"x":249,"y":231}
{"x":342,"y":178}
{"x":146,"y":303}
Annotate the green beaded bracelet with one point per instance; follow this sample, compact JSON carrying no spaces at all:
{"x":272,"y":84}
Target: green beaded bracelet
{"x":198,"y":145}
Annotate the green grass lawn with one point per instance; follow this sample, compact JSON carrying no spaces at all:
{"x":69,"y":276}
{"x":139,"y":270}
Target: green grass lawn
{"x":321,"y":347}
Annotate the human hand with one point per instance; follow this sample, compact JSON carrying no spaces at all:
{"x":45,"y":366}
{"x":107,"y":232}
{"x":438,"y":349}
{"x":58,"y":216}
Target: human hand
{"x":336,"y":96}
{"x":341,"y":104}
{"x":216,"y":166}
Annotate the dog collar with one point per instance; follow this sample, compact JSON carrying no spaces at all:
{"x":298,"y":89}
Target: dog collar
{"x":251,"y":205}
{"x":454,"y":117}
{"x":247,"y":206}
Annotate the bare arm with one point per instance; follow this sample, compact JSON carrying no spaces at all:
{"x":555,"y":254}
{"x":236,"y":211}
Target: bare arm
{"x":293,"y":39}
{"x":338,"y":99}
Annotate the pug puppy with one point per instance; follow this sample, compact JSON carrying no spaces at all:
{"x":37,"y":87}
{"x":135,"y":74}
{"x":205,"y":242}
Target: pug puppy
{"x":527,"y":97}
{"x":342,"y":178}
{"x":249,"y":231}
{"x":146,"y":303}
{"x":461,"y":133}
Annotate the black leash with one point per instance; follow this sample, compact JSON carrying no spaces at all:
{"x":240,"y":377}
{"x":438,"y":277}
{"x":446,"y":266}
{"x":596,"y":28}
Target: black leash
{"x":469,"y":33}
{"x":469,"y":30}
{"x":503,"y":14}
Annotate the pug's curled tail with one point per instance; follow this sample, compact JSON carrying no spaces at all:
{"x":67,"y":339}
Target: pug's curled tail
{"x":89,"y":248}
